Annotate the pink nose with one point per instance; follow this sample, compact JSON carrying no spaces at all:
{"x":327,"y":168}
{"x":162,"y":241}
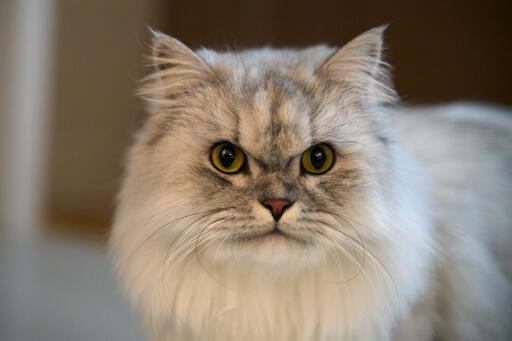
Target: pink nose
{"x":276,"y":207}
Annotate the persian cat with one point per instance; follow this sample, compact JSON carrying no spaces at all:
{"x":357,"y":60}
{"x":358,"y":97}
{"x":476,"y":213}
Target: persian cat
{"x":278,"y":194}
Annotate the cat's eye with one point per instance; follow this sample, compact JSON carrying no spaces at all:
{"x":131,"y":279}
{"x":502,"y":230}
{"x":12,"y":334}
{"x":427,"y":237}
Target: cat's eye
{"x":318,"y":159}
{"x":227,"y":158}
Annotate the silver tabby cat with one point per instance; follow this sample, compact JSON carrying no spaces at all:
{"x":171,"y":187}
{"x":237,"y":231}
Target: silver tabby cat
{"x":277,"y":194}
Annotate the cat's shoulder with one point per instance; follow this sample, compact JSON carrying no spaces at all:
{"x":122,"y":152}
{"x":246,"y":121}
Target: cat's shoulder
{"x":457,"y":130}
{"x":458,"y":116}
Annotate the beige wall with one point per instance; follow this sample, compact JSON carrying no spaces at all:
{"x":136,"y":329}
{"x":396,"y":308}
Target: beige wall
{"x":26,"y":32}
{"x":6,"y":8}
{"x":100,"y":45}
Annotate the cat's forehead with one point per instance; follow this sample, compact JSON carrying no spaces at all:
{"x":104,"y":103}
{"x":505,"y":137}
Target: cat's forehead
{"x":254,"y":61}
{"x":273,"y":116}
{"x":265,"y":89}
{"x":274,"y":120}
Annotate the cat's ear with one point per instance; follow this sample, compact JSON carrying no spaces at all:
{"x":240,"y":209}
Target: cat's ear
{"x":170,"y":55}
{"x":359,"y":66}
{"x":176,"y":69}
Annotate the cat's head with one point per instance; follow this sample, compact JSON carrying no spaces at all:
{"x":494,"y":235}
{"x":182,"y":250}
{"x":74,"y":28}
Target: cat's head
{"x":263,"y":157}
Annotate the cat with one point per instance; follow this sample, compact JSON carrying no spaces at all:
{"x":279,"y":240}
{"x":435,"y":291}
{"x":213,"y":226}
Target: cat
{"x":281,"y":194}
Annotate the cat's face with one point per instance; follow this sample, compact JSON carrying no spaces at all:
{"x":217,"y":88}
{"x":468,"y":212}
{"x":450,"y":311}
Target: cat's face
{"x":262,"y":157}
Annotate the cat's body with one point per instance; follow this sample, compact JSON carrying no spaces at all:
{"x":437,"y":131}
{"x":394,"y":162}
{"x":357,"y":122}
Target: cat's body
{"x":405,"y":237}
{"x":466,"y":150}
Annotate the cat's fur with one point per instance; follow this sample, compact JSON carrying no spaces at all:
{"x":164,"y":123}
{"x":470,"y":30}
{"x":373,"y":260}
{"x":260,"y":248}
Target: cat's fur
{"x":406,"y":238}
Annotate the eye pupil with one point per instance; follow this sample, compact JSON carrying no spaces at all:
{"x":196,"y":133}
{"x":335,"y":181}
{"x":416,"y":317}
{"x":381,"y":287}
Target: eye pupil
{"x":318,"y":157}
{"x":227,"y":156}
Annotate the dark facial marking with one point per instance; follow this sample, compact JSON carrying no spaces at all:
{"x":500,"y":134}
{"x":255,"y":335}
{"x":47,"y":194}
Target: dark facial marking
{"x":159,"y":127}
{"x":153,"y":140}
{"x":212,"y":175}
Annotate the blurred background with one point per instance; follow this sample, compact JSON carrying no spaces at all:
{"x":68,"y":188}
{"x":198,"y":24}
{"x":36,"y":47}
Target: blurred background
{"x":68,"y":71}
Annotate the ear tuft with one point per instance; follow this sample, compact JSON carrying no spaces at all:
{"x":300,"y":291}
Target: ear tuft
{"x":176,"y":70}
{"x":168,"y":52}
{"x":359,"y":66}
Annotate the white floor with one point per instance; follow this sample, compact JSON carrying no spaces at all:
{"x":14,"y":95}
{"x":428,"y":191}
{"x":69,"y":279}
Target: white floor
{"x":53,"y":290}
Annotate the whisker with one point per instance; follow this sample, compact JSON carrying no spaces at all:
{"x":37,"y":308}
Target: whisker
{"x":177,"y":252}
{"x":208,"y":272}
{"x":161,"y":228}
{"x":355,"y":242}
{"x":361,"y":247}
{"x":193,"y":241}
{"x":347,"y":253}
{"x":374,"y":259}
{"x":182,"y":241}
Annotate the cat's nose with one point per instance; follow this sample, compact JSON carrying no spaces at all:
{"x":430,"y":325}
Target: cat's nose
{"x":276,"y":206}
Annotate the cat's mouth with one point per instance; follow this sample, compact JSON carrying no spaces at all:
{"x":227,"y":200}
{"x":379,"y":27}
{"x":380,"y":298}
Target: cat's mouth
{"x":275,"y":233}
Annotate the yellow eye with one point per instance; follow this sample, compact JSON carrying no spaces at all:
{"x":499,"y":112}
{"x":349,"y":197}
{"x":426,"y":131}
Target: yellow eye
{"x":227,"y":158}
{"x":318,"y":159}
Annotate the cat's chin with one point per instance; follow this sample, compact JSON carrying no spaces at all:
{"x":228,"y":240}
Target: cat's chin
{"x":274,"y":249}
